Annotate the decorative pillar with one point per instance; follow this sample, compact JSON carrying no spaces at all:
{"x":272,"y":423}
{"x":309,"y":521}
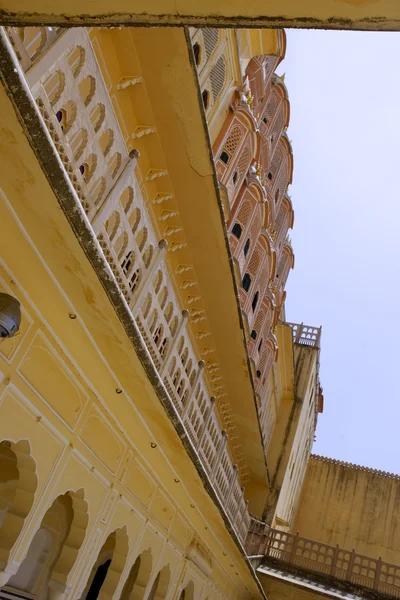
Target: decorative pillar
{"x":138,"y":298}
{"x":171,"y":347}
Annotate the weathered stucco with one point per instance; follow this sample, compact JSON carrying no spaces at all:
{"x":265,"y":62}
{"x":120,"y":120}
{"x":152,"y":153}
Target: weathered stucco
{"x":323,"y":14}
{"x":351,"y":506}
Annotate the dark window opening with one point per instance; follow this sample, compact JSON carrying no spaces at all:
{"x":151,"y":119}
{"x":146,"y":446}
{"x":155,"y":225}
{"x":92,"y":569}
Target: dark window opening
{"x":259,"y":345}
{"x":60,"y":118}
{"x":277,"y":195}
{"x":246,"y":247}
{"x":272,"y":139}
{"x":253,"y":334}
{"x":98,"y":581}
{"x":126,"y":263}
{"x":246,"y":282}
{"x":82,"y":169}
{"x":235,"y":176}
{"x":196,"y":52}
{"x":224,"y":156}
{"x":255,"y":300}
{"x":269,"y":176}
{"x":237,"y":230}
{"x":258,"y":373}
{"x":265,"y":120}
{"x":205,"y":96}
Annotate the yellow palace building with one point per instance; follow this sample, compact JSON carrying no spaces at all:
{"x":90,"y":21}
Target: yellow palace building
{"x":157,"y":411}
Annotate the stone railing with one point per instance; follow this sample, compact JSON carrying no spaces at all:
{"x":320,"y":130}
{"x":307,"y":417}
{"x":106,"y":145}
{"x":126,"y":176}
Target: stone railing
{"x":257,"y":539}
{"x":119,"y":218}
{"x":31,"y":42}
{"x":306,"y":335}
{"x":333,"y":562}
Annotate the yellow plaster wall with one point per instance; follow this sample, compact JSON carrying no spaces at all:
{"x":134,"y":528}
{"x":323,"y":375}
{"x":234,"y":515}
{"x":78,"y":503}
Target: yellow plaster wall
{"x":351,"y":507}
{"x":58,"y":382}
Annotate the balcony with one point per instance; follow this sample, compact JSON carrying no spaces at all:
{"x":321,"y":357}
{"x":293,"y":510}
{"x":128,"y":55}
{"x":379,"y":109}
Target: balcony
{"x":306,"y":335}
{"x":341,"y":569}
{"x":79,"y":117}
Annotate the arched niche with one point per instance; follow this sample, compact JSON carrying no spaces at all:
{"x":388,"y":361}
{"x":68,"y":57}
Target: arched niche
{"x":138,"y":578}
{"x":107,"y":569}
{"x":160,"y":586}
{"x":54,"y":547}
{"x":18,"y":483}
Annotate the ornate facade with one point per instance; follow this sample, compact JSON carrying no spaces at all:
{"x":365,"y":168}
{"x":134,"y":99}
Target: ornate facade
{"x":157,"y":412}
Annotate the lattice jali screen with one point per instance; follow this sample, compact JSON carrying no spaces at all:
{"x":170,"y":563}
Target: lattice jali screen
{"x":233,"y":140}
{"x":218,"y":77}
{"x":210,"y":37}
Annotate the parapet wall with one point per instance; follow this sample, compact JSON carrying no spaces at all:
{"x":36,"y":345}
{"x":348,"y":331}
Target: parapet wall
{"x":352,"y":506}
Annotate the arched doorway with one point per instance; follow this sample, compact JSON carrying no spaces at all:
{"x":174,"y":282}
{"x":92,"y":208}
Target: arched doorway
{"x":188,"y":592}
{"x":108,"y":567}
{"x":54,"y":547}
{"x":138,"y":578}
{"x":18,"y":483}
{"x":159,"y":589}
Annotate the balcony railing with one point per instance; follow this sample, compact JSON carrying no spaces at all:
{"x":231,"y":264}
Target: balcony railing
{"x":80,"y":119}
{"x":333,"y":562}
{"x":306,"y":335}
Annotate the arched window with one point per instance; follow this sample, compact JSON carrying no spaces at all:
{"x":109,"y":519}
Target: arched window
{"x":235,"y":177}
{"x":258,"y":373}
{"x":147,"y":256}
{"x":141,"y":238}
{"x":76,"y":60}
{"x":127,"y":262}
{"x":106,"y":141}
{"x":254,"y":302}
{"x":78,"y":142}
{"x":246,"y":247}
{"x":112,"y":224}
{"x":253,"y":334}
{"x":97,"y":116}
{"x":206,"y":98}
{"x":134,"y":219}
{"x":87,"y":88}
{"x":237,"y":230}
{"x":54,"y":86}
{"x":224,"y":156}
{"x":197,"y":53}
{"x":66,"y":115}
{"x":135,"y":280}
{"x":114,"y":164}
{"x":88,"y":167}
{"x":246,"y":282}
{"x":126,"y":199}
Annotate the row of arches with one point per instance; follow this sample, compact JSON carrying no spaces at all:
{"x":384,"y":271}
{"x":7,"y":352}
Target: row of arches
{"x":261,"y":212}
{"x":76,"y":95}
{"x":54,"y":547}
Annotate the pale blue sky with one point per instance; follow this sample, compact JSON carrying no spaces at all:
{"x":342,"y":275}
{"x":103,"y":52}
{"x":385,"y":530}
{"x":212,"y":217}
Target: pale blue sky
{"x":344,"y":90}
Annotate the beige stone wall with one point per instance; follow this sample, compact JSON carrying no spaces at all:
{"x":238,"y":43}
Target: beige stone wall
{"x":352,"y":507}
